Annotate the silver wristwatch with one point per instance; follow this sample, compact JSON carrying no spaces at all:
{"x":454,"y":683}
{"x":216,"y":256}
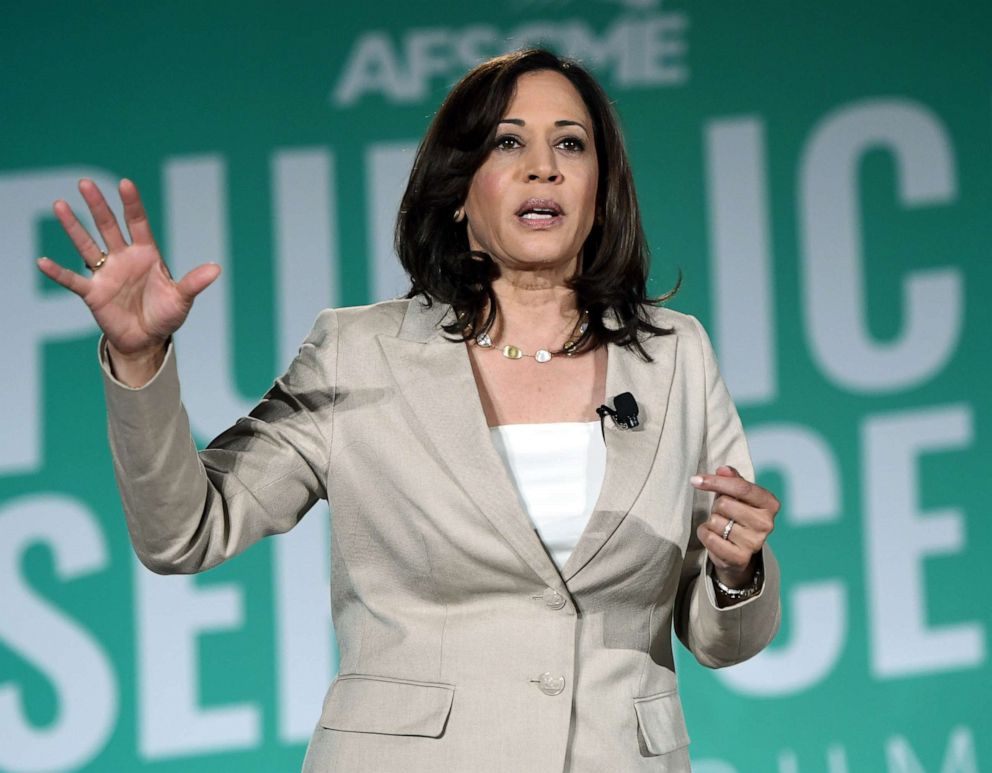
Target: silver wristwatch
{"x":739,"y":594}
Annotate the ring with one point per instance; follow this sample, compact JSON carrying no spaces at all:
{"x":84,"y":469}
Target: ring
{"x":99,"y":263}
{"x":727,"y":528}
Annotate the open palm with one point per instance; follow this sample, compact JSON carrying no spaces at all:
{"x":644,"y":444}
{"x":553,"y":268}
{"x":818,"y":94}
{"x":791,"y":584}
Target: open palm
{"x":133,"y":297}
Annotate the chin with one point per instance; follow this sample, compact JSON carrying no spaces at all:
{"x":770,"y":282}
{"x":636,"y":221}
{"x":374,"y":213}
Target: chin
{"x":544,"y":255}
{"x":536,"y":261}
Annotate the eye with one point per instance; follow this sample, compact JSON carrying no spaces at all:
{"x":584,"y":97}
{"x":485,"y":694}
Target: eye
{"x":507,"y":142}
{"x":572,"y":144}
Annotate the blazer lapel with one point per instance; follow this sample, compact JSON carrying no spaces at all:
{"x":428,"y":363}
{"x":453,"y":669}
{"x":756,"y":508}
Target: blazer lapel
{"x":435,"y":378}
{"x":630,"y":454}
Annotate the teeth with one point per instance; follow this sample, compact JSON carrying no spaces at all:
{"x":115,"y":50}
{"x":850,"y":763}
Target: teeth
{"x":538,"y":215}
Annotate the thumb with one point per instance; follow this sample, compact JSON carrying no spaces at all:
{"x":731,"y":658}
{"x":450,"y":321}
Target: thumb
{"x":726,"y":471}
{"x":197,"y":280}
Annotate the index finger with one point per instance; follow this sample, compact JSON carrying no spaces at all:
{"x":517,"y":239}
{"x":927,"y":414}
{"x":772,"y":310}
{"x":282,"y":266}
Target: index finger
{"x":737,"y":487}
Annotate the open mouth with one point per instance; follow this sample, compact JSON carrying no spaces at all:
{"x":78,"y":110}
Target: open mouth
{"x":539,"y":210}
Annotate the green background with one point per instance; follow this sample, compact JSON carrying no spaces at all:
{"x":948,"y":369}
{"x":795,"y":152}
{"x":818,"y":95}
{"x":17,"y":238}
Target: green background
{"x":131,"y":89}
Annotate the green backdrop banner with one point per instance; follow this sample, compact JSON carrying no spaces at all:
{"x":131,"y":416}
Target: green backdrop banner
{"x":821,"y":174}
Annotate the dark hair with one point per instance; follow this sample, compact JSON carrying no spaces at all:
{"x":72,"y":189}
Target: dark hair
{"x":434,"y":249}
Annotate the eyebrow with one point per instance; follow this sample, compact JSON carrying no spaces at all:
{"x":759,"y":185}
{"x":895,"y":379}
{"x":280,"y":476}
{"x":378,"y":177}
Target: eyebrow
{"x":561,"y":122}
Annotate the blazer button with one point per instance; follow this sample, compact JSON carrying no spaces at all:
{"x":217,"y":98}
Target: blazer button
{"x":553,"y":598}
{"x":549,"y":684}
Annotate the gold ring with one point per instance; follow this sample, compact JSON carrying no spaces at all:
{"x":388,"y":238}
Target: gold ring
{"x":99,"y":263}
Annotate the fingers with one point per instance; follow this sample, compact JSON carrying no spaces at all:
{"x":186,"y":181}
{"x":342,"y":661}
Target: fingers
{"x":135,"y":218}
{"x":70,"y":280}
{"x":724,"y":553}
{"x":197,"y":280}
{"x":105,"y":221}
{"x":735,"y":486}
{"x":134,"y":214}
{"x":749,"y":507}
{"x":739,"y":534}
{"x":88,"y":249}
{"x":757,"y":519}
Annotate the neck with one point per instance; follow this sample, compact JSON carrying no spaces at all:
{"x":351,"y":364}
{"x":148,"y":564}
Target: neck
{"x":536,"y":310}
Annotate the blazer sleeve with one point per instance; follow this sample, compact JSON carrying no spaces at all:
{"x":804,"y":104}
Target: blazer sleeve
{"x":722,"y":637}
{"x":186,"y":511}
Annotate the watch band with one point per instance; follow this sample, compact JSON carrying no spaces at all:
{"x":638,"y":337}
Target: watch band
{"x":739,"y":594}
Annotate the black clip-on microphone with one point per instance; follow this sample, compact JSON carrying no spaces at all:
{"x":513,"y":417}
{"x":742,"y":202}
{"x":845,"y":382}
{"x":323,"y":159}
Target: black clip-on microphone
{"x":624,"y":413}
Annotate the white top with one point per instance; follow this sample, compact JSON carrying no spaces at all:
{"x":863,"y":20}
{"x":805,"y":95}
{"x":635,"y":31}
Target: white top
{"x":558,"y":469}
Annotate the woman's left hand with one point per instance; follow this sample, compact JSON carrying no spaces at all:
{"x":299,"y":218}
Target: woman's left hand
{"x":751,"y":509}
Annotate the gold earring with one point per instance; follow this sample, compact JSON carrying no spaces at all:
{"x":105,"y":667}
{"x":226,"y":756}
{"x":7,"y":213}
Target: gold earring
{"x":459,"y":214}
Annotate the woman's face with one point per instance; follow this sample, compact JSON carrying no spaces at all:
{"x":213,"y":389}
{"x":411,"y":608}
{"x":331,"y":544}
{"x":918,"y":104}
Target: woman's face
{"x":532,"y":203}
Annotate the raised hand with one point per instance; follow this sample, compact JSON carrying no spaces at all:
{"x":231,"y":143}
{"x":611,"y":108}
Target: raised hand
{"x":742,"y":517}
{"x":131,"y":294}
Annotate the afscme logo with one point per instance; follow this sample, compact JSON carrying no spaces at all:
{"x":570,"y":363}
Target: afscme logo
{"x":645,"y":50}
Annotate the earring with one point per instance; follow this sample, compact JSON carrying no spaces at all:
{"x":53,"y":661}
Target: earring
{"x":459,"y":214}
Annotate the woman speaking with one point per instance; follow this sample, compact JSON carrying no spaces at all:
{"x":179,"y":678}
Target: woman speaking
{"x":535,"y":472}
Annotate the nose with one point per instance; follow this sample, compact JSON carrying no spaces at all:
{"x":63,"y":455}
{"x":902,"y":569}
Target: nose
{"x":542,"y":165}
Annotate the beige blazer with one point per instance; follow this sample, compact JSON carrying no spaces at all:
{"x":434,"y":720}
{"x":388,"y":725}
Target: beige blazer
{"x":462,"y":647}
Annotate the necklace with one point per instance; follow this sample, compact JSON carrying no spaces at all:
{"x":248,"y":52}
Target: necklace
{"x":514,"y":352}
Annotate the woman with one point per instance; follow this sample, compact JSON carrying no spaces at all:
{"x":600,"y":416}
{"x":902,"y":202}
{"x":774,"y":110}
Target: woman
{"x":506,"y":570}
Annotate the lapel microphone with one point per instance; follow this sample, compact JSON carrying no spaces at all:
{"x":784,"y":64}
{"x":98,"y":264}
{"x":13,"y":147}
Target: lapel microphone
{"x":624,"y":411}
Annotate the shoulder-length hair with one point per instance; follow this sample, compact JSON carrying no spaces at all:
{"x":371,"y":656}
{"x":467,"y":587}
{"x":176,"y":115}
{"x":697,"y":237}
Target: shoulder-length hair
{"x":612,"y":277}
